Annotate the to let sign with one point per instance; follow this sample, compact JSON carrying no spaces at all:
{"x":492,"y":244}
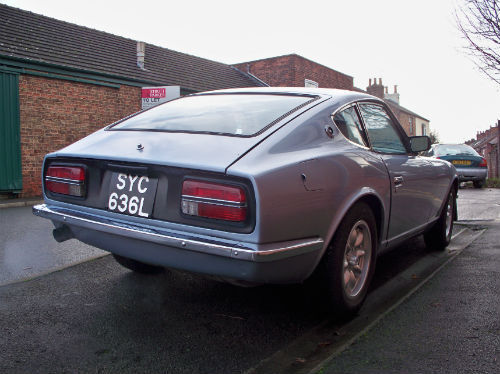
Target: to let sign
{"x":152,"y":96}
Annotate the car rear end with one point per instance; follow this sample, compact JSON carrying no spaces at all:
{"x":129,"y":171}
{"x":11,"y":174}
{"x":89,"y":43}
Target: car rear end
{"x":471,"y":167}
{"x":164,"y":197}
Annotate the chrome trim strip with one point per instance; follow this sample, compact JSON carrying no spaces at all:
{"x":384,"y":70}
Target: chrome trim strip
{"x":64,"y":180}
{"x":212,"y":246}
{"x":209,"y":200}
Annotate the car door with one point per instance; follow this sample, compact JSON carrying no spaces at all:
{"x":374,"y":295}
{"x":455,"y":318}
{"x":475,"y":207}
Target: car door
{"x":410,"y":175}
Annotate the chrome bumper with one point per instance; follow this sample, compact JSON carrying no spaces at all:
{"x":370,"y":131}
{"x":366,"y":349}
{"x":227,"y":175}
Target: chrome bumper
{"x":470,"y":174}
{"x":189,"y":242}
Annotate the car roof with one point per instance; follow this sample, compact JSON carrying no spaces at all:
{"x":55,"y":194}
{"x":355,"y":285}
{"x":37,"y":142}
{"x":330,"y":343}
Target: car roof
{"x":331,"y":92}
{"x":450,"y":144}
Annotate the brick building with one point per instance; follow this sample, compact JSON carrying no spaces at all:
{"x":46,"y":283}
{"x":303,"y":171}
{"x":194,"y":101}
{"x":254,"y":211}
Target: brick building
{"x":413,"y":123}
{"x":296,"y":71}
{"x":60,"y":82}
{"x":487,"y":145}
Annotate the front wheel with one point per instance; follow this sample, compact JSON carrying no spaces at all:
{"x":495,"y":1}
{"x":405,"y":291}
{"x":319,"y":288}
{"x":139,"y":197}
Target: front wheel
{"x":349,"y":263}
{"x":439,"y":236}
{"x":137,"y":266}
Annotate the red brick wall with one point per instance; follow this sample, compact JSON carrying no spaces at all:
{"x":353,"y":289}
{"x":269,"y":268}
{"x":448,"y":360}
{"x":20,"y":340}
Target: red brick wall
{"x":292,"y":70}
{"x":403,"y":119}
{"x":55,"y":113}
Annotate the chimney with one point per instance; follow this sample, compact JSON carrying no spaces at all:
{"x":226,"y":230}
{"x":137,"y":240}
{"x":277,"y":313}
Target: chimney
{"x":386,"y":89}
{"x":141,"y":52}
{"x":375,"y":89}
{"x":394,"y":97}
{"x":369,"y":82}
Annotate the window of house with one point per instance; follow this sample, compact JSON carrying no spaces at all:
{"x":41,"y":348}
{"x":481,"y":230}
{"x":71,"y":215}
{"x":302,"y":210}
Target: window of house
{"x":410,"y":122}
{"x":383,"y":136}
{"x":349,"y":125}
{"x":424,"y":129}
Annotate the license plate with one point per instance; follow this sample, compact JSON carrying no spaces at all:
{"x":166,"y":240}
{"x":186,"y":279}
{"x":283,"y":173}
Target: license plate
{"x":461,"y":162}
{"x":132,"y":194}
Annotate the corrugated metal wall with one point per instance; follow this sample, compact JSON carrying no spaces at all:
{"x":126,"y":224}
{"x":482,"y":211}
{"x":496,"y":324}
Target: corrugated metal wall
{"x":10,"y":138}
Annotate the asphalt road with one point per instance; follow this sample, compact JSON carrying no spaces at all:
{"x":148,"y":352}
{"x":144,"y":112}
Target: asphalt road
{"x":98,"y":317}
{"x":450,"y":325}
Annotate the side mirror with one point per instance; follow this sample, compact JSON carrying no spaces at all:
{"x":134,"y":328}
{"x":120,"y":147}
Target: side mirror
{"x":420,"y":143}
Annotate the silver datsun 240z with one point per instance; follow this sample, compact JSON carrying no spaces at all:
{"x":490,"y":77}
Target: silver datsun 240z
{"x":260,"y":185}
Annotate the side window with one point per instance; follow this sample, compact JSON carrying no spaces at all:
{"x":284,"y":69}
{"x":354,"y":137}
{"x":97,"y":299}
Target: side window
{"x":383,"y":136}
{"x":349,"y":125}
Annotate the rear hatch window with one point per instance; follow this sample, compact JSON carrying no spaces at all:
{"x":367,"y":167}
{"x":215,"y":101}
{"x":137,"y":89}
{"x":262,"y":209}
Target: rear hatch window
{"x":460,"y":155}
{"x":455,"y":150}
{"x":225,"y":114}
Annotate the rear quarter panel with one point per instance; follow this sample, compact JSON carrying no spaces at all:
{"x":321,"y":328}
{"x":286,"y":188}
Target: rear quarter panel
{"x":337,"y":173}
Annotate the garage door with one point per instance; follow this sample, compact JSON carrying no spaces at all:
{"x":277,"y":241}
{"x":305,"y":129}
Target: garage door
{"x":10,"y":142}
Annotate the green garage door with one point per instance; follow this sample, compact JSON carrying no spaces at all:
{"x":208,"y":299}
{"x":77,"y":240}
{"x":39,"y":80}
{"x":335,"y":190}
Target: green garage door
{"x":10,"y":143}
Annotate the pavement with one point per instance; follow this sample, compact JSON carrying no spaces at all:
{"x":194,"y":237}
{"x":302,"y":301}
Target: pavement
{"x":27,"y":247}
{"x":19,"y":202}
{"x":450,"y":325}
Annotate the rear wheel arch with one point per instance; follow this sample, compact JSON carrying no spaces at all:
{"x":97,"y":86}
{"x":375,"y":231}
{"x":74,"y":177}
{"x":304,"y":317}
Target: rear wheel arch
{"x":376,"y":207}
{"x":378,"y":211}
{"x":343,"y":259}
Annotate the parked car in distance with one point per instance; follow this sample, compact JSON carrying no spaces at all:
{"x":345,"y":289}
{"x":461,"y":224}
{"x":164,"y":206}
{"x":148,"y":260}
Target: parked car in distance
{"x":260,"y":185}
{"x":470,"y":165}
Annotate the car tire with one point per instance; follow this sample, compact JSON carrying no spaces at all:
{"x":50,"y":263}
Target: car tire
{"x":478,"y":184}
{"x":439,"y":236}
{"x":349,"y":262}
{"x":137,"y":266}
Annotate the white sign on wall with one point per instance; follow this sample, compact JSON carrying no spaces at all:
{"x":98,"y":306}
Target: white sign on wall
{"x":310,"y":83}
{"x":152,"y":96}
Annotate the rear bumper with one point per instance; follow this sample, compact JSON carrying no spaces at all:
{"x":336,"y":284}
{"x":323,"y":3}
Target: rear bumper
{"x":471,"y":174}
{"x":283,"y":262}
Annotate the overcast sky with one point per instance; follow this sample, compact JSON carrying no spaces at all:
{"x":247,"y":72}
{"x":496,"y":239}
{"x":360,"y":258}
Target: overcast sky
{"x":412,"y":44}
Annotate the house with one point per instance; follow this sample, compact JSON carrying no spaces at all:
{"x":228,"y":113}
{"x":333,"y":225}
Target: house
{"x":486,"y":144}
{"x":297,"y":71}
{"x":413,"y":123}
{"x":60,"y":82}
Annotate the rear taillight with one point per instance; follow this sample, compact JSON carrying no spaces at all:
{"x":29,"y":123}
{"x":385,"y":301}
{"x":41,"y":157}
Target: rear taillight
{"x":483,"y":163}
{"x":65,"y":180}
{"x":214,"y":200}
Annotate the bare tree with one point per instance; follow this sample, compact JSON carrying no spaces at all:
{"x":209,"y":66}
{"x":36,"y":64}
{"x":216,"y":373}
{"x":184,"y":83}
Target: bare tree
{"x":479,"y":23}
{"x":434,"y":137}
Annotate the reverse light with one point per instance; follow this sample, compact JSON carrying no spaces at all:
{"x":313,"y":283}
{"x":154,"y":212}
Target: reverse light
{"x":65,"y":180}
{"x":214,"y":200}
{"x":483,"y":163}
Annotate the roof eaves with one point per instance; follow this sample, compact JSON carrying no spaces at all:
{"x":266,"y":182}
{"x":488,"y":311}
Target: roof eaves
{"x":399,"y":107}
{"x":258,"y":81}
